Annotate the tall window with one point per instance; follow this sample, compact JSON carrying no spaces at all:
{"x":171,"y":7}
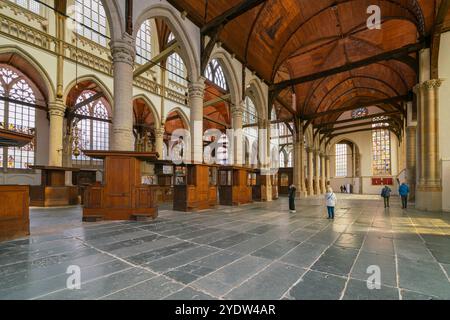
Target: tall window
{"x":144,"y":43}
{"x":176,"y":69}
{"x":282,"y":160}
{"x":381,"y":150}
{"x":250,"y":132}
{"x":16,"y":114}
{"x":290,"y":163}
{"x":30,"y":5}
{"x":341,"y":160}
{"x":91,"y":19}
{"x":214,"y":73}
{"x":92,"y":127}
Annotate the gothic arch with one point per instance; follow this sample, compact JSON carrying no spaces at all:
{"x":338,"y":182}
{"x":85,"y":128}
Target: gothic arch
{"x":230,"y":75}
{"x":115,"y":19}
{"x":152,"y":108}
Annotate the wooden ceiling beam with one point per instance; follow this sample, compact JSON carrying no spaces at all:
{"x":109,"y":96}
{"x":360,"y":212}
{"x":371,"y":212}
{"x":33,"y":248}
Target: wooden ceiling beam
{"x":230,"y":15}
{"x":389,"y":55}
{"x":224,"y":98}
{"x":83,"y":103}
{"x":216,"y":122}
{"x":357,"y":105}
{"x":371,"y":116}
{"x":356,"y":125}
{"x":436,"y":37}
{"x":172,"y":47}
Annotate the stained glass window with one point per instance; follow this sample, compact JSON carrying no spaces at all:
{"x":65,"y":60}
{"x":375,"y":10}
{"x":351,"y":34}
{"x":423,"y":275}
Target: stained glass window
{"x":91,"y":18}
{"x":381,"y":148}
{"x":144,"y":43}
{"x":92,"y":127}
{"x":360,"y":113}
{"x":16,"y":114}
{"x":214,"y":73}
{"x":341,"y":160}
{"x":30,"y":5}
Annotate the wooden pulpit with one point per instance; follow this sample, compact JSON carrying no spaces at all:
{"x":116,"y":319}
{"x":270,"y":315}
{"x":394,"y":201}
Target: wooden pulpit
{"x":122,"y":195}
{"x":53,"y":191}
{"x":235,"y":185}
{"x":14,"y":204}
{"x":195,"y":187}
{"x":285,"y":179}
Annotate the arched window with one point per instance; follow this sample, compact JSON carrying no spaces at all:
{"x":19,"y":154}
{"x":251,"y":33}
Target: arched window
{"x":92,"y":22}
{"x":30,"y":5}
{"x":144,"y":43}
{"x":341,"y":160}
{"x":250,"y":131}
{"x":381,"y":148}
{"x":290,"y":163}
{"x":176,"y":69}
{"x":282,"y":160}
{"x":214,"y":73}
{"x":92,"y":127}
{"x":17,"y":114}
{"x":360,"y":113}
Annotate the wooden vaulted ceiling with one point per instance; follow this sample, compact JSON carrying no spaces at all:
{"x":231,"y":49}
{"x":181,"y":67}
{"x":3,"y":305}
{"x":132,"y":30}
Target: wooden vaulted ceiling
{"x":287,"y":39}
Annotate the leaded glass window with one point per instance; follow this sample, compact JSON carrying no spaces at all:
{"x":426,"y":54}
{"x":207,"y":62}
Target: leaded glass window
{"x":360,"y":113}
{"x":91,"y":127}
{"x":381,"y":149}
{"x":144,"y":43}
{"x":17,"y":114}
{"x":30,"y":5}
{"x":282,"y":160}
{"x":176,"y":69}
{"x":341,"y":160}
{"x":91,"y":18}
{"x":214,"y":73}
{"x":290,"y":163}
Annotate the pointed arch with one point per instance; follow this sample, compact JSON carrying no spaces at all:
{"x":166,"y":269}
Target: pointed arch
{"x":230,"y":75}
{"x":94,"y":79}
{"x":184,"y":118}
{"x":151,"y":107}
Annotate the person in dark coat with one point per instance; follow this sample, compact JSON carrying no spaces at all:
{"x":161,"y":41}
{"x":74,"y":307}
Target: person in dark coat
{"x":386,"y":195}
{"x":292,"y":192}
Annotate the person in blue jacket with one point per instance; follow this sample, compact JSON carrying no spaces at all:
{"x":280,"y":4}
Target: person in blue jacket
{"x":404,"y":192}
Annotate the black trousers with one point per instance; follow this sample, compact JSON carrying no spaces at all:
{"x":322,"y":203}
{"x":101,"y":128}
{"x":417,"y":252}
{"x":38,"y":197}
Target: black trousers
{"x":291,"y":203}
{"x":386,"y":202}
{"x":404,"y":202}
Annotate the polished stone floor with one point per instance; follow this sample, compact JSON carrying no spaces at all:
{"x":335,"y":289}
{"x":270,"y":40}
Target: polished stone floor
{"x":258,"y":251}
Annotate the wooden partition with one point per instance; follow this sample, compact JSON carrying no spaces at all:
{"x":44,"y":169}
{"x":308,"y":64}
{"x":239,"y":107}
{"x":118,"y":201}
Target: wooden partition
{"x":122,"y":196}
{"x":53,"y":190}
{"x":274,"y":181}
{"x":285,"y":179}
{"x":235,"y":186}
{"x":14,"y":200}
{"x":195,"y":187}
{"x":164,"y":187}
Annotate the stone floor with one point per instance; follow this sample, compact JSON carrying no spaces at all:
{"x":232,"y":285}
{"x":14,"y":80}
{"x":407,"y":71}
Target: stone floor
{"x":258,"y":251}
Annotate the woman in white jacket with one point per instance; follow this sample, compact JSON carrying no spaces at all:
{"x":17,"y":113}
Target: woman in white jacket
{"x":331,"y":200}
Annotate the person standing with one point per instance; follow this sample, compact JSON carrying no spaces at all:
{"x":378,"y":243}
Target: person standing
{"x":386,"y":195}
{"x":404,"y":192}
{"x":331,"y":201}
{"x":292,"y":192}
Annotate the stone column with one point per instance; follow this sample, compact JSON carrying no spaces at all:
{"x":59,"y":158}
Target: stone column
{"x":411,"y":150}
{"x":196,"y":96}
{"x":323,"y":183}
{"x":327,"y":170}
{"x":123,"y":53}
{"x":159,"y":141}
{"x":237,"y":141}
{"x":299,"y":179}
{"x":310,"y":171}
{"x":56,"y":133}
{"x":429,"y":190}
{"x":316,"y":172}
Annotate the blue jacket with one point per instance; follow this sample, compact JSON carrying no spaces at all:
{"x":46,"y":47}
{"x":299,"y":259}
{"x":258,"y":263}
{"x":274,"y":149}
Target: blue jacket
{"x":403,"y":190}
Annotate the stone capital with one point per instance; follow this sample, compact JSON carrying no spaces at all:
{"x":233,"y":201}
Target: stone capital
{"x":159,"y":132}
{"x":237,"y":111}
{"x":124,"y":50}
{"x":56,"y":109}
{"x":432,"y":84}
{"x":196,"y":89}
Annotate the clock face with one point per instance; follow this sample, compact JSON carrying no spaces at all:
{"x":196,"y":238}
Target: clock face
{"x":359,"y":113}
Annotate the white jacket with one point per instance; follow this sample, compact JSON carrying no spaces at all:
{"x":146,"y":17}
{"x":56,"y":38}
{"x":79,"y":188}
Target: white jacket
{"x":331,"y":199}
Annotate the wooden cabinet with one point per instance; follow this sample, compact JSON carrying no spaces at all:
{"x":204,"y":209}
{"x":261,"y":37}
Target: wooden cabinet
{"x":195,"y":187}
{"x":235,"y":186}
{"x":14,"y":212}
{"x":122,"y":196}
{"x":285,"y":179}
{"x":53,"y":191}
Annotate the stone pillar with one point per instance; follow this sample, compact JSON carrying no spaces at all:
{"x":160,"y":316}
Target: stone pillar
{"x":299,"y":179}
{"x":316,"y":172}
{"x":56,"y":133}
{"x":323,"y":183}
{"x":411,"y":150}
{"x":327,"y":170}
{"x":429,"y":190}
{"x":196,"y":100}
{"x":238,"y":141}
{"x":159,"y":141}
{"x":309,"y":151}
{"x":123,"y":53}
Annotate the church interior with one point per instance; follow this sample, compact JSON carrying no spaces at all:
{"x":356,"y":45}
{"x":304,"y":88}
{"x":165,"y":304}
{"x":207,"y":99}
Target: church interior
{"x":148,"y":149}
